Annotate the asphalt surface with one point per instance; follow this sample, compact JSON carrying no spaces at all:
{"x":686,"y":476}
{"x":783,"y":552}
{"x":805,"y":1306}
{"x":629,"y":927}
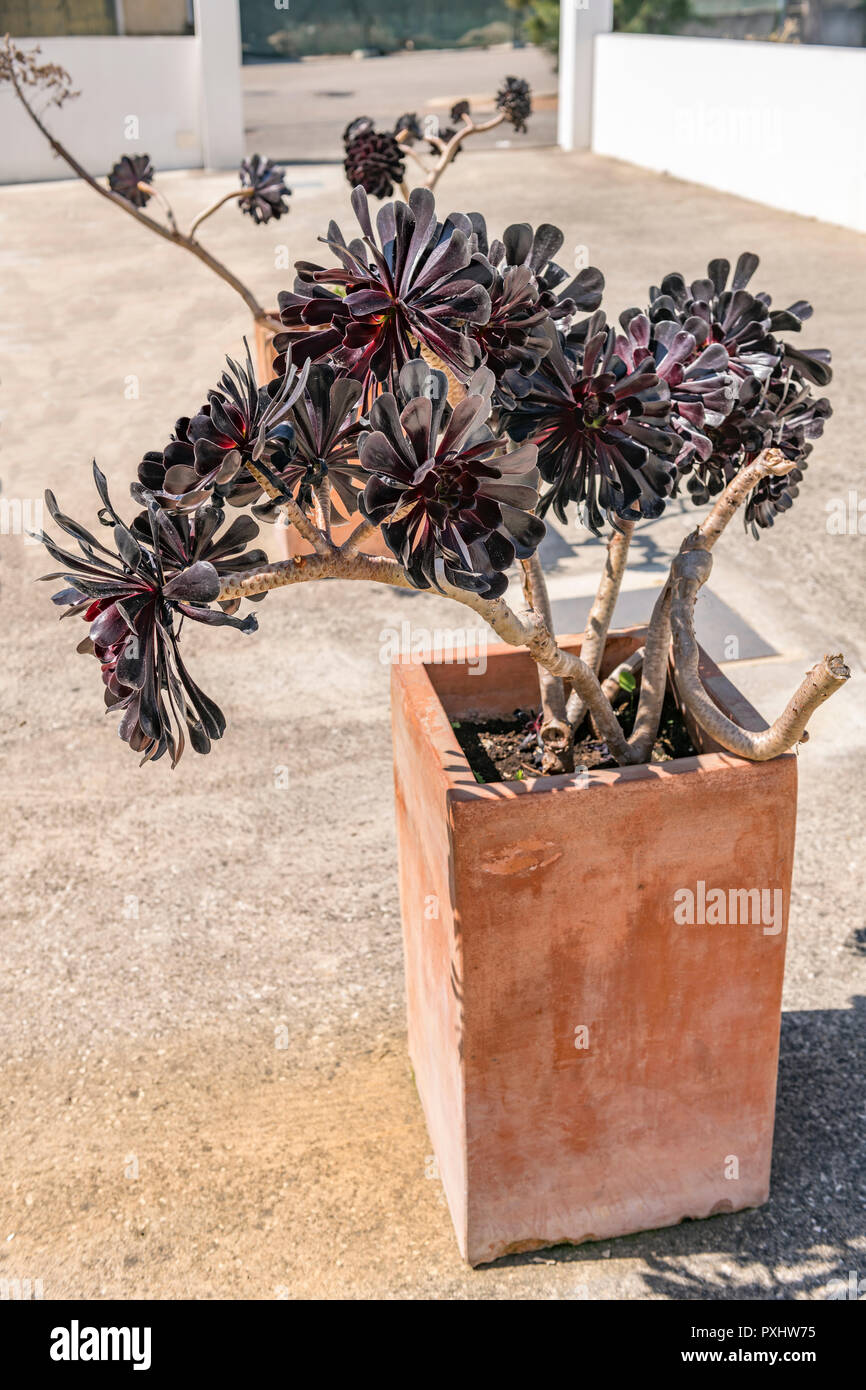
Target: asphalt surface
{"x":298,"y":111}
{"x":205,"y":1088}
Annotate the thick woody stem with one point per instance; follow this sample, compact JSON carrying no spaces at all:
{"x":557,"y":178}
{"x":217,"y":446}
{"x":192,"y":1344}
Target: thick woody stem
{"x":654,"y":675}
{"x":361,"y":533}
{"x":293,"y":513}
{"x":598,"y":622}
{"x":323,"y":509}
{"x":450,"y":148}
{"x":770,"y":461}
{"x":690,"y":571}
{"x":555,"y":732}
{"x":276,"y":576}
{"x":654,"y":678}
{"x":529,"y":632}
{"x":542,"y":647}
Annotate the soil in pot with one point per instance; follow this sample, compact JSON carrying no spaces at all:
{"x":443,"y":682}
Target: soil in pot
{"x":507,"y":749}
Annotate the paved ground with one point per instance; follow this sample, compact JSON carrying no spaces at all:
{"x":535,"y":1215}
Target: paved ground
{"x":159,"y":929}
{"x":298,"y":111}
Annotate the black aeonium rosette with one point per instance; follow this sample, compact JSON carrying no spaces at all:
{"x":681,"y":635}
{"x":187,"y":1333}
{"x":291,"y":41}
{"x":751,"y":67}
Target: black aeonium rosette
{"x":702,"y":389}
{"x":743,"y":322}
{"x":536,"y":248}
{"x":163,"y":569}
{"x":414,"y":280}
{"x":207,"y":457}
{"x":326,"y":425}
{"x":782,"y":414}
{"x":375,"y":162}
{"x":361,"y":125}
{"x":773,"y":404}
{"x":772,"y":497}
{"x":409,"y":127}
{"x":515,"y":99}
{"x":522,"y":294}
{"x":125,"y":176}
{"x":604,"y":434}
{"x":447,"y":496}
{"x":269,"y":198}
{"x":714,"y":313}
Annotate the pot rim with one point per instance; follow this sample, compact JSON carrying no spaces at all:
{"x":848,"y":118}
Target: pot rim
{"x":417,"y":681}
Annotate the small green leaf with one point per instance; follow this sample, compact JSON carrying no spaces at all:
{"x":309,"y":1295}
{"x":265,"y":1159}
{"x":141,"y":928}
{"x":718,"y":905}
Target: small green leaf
{"x":627,"y":680}
{"x":455,"y":723}
{"x":518,"y":776}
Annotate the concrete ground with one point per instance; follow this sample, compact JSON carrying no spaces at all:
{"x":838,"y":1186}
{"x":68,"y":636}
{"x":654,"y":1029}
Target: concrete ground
{"x":205,"y":1087}
{"x":298,"y":111}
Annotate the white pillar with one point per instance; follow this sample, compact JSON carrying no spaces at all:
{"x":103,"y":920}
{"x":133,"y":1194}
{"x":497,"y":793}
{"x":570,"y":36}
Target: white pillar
{"x":218,"y":36}
{"x":579,"y":22}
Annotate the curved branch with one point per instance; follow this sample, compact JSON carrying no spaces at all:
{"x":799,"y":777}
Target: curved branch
{"x":361,"y":533}
{"x":298,"y":518}
{"x":323,"y":509}
{"x":690,"y":571}
{"x":529,"y":632}
{"x":701,"y":540}
{"x":450,"y":149}
{"x":555,"y":733}
{"x":654,"y":678}
{"x":402,"y":139}
{"x":235,"y":194}
{"x":170,"y":234}
{"x":598,"y":622}
{"x":771,"y":461}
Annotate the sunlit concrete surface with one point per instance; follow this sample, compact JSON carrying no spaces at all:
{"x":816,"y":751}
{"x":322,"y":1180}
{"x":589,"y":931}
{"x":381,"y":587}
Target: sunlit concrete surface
{"x":164,"y":932}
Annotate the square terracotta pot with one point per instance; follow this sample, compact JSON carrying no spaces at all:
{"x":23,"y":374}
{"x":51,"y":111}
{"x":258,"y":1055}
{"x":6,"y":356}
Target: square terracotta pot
{"x":265,"y":351}
{"x":588,"y":1064}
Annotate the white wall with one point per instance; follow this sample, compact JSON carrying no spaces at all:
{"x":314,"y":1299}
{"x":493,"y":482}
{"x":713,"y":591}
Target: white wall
{"x":579,"y":23}
{"x":154,"y":80}
{"x":218,"y":35}
{"x":783,"y":124}
{"x":184,"y":92}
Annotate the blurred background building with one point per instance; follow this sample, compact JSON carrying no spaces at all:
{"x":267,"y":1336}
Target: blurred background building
{"x":295,"y":29}
{"x":66,"y":18}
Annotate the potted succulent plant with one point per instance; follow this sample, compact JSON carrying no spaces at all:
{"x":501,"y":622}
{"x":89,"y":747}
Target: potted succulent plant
{"x":595,"y":1054}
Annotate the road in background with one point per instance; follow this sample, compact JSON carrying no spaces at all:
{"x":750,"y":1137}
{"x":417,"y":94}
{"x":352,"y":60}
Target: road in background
{"x":297,"y":112}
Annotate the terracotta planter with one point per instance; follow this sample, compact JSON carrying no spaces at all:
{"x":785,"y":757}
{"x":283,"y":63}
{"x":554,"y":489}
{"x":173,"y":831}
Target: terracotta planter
{"x":589,"y":1065}
{"x":289,"y":543}
{"x":265,"y":353}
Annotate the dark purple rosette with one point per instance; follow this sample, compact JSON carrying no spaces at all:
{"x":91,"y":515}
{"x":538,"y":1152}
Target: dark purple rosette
{"x":604,"y":433}
{"x":452,"y":501}
{"x":135,"y":596}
